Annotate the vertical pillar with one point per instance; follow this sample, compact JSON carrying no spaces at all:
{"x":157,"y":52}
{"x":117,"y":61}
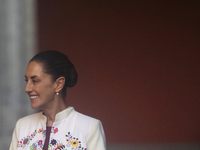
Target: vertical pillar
{"x":17,"y":44}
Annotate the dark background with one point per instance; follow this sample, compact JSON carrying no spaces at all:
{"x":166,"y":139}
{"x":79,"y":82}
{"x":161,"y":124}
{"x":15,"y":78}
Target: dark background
{"x":138,"y":64}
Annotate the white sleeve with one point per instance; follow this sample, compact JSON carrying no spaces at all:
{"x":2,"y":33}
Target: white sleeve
{"x":96,"y":138}
{"x":13,"y":145}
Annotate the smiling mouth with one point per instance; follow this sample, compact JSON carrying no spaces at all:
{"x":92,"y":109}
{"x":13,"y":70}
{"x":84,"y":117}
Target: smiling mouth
{"x":33,"y":97}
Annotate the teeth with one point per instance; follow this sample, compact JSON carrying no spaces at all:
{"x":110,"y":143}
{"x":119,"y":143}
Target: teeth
{"x":32,"y":97}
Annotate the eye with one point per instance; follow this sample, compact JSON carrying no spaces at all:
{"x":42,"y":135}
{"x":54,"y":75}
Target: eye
{"x":35,"y":81}
{"x":26,"y":80}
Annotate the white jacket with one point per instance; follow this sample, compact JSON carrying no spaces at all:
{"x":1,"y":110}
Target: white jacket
{"x":70,"y":131}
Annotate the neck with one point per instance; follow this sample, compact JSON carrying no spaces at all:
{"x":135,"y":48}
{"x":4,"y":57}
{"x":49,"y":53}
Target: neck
{"x":50,"y":112}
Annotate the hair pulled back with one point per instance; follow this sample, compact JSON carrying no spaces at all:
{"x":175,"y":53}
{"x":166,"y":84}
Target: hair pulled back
{"x":57,"y":65}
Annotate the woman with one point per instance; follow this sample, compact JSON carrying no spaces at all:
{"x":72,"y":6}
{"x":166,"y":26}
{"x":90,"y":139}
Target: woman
{"x":57,"y":127}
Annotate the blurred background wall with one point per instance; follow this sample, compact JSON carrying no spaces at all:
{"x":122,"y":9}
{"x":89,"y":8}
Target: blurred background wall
{"x":138,"y":66}
{"x":17,"y":44}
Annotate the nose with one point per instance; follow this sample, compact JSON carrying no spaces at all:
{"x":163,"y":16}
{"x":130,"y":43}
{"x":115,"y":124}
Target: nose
{"x":28,"y":87}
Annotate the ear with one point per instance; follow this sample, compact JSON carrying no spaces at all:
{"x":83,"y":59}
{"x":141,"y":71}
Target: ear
{"x":60,"y":82}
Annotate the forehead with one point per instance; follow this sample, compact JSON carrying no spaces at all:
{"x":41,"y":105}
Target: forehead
{"x":34,"y":69}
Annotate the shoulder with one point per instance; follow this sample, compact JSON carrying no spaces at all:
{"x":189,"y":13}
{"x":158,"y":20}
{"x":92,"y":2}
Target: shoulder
{"x":30,"y":118}
{"x":82,"y":118}
{"x":83,"y":121}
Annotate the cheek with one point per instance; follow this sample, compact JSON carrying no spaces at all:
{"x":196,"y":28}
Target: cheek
{"x":44,"y":89}
{"x":48,"y":88}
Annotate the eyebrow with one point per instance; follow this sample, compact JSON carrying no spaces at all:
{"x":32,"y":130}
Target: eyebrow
{"x":32,"y":77}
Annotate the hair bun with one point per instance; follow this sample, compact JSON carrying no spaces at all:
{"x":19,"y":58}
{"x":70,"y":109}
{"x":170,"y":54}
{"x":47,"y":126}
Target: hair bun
{"x":71,"y":79}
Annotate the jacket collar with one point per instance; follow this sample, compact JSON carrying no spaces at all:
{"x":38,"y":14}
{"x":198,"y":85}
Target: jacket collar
{"x":64,"y":114}
{"x":61,"y":115}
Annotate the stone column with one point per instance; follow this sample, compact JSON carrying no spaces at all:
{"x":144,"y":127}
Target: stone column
{"x":17,"y":46}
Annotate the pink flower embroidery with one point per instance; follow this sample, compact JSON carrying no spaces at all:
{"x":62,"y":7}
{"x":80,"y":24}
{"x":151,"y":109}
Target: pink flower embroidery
{"x":40,"y":142}
{"x":55,"y":130}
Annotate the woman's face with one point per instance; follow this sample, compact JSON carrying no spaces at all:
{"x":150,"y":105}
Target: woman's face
{"x":39,"y":86}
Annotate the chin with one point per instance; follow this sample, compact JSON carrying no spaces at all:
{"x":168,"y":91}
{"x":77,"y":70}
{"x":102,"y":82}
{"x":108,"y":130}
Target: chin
{"x":33,"y":106}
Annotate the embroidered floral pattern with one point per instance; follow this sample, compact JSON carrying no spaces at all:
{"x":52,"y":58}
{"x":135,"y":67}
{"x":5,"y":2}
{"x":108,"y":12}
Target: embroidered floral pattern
{"x":53,"y":142}
{"x":56,"y":145}
{"x":72,"y":143}
{"x":26,"y":140}
{"x":55,"y":130}
{"x":37,"y":145}
{"x":40,"y":142}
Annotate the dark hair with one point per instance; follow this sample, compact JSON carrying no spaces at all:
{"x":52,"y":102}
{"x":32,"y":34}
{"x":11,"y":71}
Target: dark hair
{"x":57,"y":65}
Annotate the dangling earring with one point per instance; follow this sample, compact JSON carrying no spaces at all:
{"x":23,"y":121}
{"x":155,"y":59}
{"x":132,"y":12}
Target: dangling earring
{"x":57,"y":93}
